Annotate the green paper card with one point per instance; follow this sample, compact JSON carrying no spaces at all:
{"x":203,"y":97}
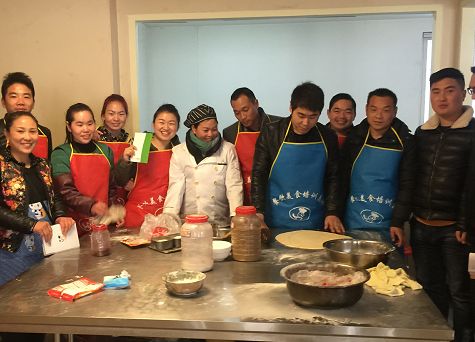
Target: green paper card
{"x":142,"y":142}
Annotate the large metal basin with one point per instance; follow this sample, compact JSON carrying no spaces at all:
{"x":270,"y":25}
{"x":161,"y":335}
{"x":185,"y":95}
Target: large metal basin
{"x":324,"y":296}
{"x":359,"y":253}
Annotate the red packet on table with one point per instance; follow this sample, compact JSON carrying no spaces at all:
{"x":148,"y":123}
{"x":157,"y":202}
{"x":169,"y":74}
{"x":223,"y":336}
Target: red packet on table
{"x":76,"y":289}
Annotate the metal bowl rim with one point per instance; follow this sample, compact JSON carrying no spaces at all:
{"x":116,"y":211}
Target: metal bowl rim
{"x":356,"y":269}
{"x":390,"y":248}
{"x":200,"y":275}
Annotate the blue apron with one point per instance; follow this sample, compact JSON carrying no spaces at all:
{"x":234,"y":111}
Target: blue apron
{"x":30,"y":251}
{"x":373,"y":190}
{"x":295,"y":190}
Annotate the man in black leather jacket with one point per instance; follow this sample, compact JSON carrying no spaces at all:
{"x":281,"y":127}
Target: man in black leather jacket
{"x":300,"y":157}
{"x":438,"y":229}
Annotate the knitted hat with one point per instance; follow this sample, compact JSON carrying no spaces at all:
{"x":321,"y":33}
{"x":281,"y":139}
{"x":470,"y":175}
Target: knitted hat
{"x":198,"y":114}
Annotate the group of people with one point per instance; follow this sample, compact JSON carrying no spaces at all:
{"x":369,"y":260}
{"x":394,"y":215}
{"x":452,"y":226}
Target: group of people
{"x":366,"y":180}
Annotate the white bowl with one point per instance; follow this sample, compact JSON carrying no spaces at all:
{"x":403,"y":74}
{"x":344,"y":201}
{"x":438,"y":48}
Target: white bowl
{"x":221,"y":250}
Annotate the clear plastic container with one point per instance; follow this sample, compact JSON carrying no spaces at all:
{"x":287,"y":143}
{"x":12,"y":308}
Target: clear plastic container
{"x":196,"y":244}
{"x":246,"y":234}
{"x":100,"y":240}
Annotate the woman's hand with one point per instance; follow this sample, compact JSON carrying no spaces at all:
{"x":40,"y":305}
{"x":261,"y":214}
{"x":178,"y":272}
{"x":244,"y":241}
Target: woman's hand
{"x":129,"y":152}
{"x":333,"y":224}
{"x":120,"y":223}
{"x":130,"y":185}
{"x":66,"y":223}
{"x":96,"y":136}
{"x":99,"y":209}
{"x":44,"y":229}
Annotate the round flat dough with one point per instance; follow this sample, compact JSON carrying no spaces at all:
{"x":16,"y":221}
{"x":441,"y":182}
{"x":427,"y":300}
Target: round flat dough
{"x":307,"y":239}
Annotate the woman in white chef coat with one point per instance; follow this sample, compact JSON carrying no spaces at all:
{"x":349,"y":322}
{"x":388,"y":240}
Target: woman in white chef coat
{"x":204,"y":175}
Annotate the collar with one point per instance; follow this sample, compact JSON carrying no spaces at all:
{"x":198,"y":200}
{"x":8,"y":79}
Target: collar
{"x":10,"y":158}
{"x":263,"y":119}
{"x":462,"y":121}
{"x":107,"y":135}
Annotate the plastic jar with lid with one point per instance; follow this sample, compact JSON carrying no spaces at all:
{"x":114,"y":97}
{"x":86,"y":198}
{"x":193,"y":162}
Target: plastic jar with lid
{"x":196,"y":244}
{"x":246,"y":234}
{"x":100,"y":240}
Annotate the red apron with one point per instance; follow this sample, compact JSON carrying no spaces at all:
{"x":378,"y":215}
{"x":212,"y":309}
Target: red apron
{"x":245,"y":144}
{"x":90,"y":172}
{"x":118,"y":149}
{"x":150,"y":189}
{"x":41,"y":147}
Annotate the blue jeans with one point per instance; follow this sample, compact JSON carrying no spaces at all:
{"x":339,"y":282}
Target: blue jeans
{"x":441,"y":267}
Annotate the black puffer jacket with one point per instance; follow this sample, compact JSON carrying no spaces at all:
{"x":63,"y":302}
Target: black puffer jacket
{"x":267,"y":147}
{"x":351,"y":148}
{"x":443,"y":161}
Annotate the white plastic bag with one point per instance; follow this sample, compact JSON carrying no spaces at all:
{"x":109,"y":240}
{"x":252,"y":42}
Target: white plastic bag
{"x":160,"y":225}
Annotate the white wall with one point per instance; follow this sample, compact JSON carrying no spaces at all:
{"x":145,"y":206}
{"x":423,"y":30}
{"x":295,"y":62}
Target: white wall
{"x":203,"y":62}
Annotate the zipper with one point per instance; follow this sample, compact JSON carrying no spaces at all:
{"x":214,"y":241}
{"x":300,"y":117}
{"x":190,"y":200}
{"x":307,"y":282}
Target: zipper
{"x":442,"y":135}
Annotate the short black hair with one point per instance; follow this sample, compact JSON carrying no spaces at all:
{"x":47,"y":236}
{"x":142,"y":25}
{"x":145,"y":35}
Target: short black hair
{"x":472,"y":69}
{"x":342,"y":96}
{"x":309,"y":96}
{"x":383,"y":92}
{"x":169,"y":108}
{"x":10,"y":118}
{"x":243,"y":91}
{"x":453,"y":73}
{"x":17,"y":77}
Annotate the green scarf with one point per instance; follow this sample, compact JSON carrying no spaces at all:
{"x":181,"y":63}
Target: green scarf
{"x":203,"y":146}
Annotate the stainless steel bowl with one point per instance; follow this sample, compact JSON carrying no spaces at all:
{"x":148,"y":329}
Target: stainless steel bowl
{"x":324,"y":296}
{"x":184,"y":283}
{"x":359,"y":253}
{"x":221,"y":233}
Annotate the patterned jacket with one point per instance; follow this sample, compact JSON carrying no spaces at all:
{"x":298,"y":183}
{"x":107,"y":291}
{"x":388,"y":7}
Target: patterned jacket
{"x":14,"y":220}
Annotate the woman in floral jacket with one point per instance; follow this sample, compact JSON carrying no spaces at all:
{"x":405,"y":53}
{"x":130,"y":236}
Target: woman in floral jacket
{"x":28,"y":205}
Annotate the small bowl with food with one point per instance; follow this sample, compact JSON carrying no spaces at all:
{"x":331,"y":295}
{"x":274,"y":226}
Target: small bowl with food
{"x":325,"y":285}
{"x":359,"y":253}
{"x":184,"y":283}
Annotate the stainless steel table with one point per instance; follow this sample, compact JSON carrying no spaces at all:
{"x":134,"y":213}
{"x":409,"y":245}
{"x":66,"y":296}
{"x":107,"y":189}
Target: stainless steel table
{"x":240,"y":301}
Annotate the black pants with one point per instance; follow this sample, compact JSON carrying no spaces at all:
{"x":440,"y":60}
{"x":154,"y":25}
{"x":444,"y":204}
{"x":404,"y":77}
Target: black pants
{"x":442,"y":269}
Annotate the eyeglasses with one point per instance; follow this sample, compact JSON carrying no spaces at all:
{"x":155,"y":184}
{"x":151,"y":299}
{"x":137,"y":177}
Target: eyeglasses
{"x":470,"y":90}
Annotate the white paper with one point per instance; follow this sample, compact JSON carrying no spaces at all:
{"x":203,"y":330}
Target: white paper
{"x":59,"y":242}
{"x":139,"y":143}
{"x":471,"y":265}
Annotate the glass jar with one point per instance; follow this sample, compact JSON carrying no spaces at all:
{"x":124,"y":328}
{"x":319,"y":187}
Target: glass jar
{"x":196,"y":244}
{"x":246,"y":234}
{"x":100,"y":240}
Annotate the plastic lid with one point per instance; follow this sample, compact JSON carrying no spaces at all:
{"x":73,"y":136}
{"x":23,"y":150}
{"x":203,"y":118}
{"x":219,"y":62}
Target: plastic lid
{"x":246,"y":210}
{"x":98,"y":227}
{"x":196,"y":218}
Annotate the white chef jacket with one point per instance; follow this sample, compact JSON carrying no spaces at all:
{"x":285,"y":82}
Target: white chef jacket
{"x":213,"y":187}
